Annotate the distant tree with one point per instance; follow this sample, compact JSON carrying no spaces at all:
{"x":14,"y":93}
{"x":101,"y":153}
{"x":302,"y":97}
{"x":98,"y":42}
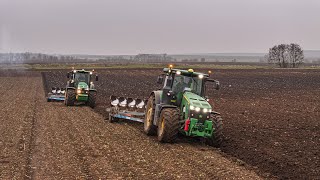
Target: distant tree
{"x":286,"y":55}
{"x":295,"y":55}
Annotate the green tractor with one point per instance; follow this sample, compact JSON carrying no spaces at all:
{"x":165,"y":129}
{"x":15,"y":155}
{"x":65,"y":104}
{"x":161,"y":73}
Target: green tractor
{"x":80,"y":88}
{"x":181,"y":106}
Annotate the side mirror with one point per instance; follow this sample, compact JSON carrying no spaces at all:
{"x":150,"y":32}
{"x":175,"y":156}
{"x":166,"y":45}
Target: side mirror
{"x":68,"y":75}
{"x":97,"y":78}
{"x":160,"y":79}
{"x":217,"y":85}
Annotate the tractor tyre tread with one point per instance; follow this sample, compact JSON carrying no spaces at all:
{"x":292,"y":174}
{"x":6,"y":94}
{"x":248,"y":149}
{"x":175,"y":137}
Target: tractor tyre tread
{"x":217,"y":136}
{"x":150,"y":130}
{"x":92,"y":99}
{"x":171,"y":117}
{"x":71,"y":97}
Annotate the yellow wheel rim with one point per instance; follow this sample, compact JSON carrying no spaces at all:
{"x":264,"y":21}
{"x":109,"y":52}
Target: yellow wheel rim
{"x":149,"y":116}
{"x":161,"y":127}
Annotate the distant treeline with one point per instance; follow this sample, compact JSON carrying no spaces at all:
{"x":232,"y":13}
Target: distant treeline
{"x":32,"y":58}
{"x":18,"y":58}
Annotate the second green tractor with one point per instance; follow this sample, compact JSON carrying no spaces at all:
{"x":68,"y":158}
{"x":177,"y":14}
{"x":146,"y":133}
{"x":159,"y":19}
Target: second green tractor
{"x":80,"y":88}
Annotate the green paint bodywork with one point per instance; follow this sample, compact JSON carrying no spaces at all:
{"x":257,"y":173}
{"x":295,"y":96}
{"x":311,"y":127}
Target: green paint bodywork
{"x":199,"y":129}
{"x":82,"y":96}
{"x":196,"y":128}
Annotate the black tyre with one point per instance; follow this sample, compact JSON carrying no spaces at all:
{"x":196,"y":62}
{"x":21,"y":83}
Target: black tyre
{"x":168,"y":127}
{"x":149,"y":128}
{"x":92,"y":99}
{"x":71,"y":97}
{"x":217,"y":136}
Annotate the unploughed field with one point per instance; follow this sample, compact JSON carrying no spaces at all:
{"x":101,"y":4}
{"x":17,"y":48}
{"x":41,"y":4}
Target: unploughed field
{"x":271,"y":116}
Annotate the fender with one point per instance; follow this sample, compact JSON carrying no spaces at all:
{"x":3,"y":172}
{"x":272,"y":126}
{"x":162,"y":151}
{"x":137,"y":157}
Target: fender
{"x":215,"y":113}
{"x":157,"y":95}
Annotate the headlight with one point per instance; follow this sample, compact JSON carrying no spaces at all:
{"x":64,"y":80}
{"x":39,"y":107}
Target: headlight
{"x":79,"y":91}
{"x":210,"y":110}
{"x":197,"y":109}
{"x":205,"y":110}
{"x":191,"y":107}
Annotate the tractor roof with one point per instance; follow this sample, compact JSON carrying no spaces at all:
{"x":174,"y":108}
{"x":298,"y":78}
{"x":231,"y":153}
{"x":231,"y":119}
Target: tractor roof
{"x":188,"y":72}
{"x":81,"y":71}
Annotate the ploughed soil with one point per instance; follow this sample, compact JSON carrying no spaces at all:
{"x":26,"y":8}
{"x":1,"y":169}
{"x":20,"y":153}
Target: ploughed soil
{"x":47,"y":140}
{"x":271,"y":118}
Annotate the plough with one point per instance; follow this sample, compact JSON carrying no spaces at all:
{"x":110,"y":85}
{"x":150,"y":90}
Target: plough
{"x":56,"y":94}
{"x":126,"y":108}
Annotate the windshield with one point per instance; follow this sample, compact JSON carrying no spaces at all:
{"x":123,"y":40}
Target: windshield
{"x":181,"y":82}
{"x":82,"y":77}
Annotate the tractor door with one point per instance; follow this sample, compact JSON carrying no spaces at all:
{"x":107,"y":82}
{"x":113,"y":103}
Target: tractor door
{"x":166,"y":97}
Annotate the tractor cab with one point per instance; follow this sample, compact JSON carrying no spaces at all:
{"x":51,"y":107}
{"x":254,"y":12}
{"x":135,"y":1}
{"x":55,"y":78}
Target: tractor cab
{"x":178,"y":83}
{"x":81,"y":78}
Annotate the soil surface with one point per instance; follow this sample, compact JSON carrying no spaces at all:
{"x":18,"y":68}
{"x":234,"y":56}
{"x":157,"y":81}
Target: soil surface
{"x":47,"y":140}
{"x":271,"y":116}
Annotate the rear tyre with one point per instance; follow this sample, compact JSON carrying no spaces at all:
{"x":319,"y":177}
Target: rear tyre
{"x":71,"y":97}
{"x":92,"y":99}
{"x":149,"y":128}
{"x":168,"y":127}
{"x":217,"y":136}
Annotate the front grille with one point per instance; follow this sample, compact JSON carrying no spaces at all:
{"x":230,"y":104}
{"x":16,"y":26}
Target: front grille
{"x":201,"y":116}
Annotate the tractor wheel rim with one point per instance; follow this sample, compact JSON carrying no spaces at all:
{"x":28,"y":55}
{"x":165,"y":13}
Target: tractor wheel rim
{"x":161,"y":127}
{"x":149,"y":114}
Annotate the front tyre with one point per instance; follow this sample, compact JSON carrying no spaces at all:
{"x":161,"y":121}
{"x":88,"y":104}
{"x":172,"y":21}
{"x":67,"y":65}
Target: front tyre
{"x":217,"y":137}
{"x":168,"y":127}
{"x":71,"y":97}
{"x":92,"y":99}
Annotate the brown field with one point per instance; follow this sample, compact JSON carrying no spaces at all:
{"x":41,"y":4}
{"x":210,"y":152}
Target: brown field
{"x":271,"y":127}
{"x":271,"y":116}
{"x":42,"y":140}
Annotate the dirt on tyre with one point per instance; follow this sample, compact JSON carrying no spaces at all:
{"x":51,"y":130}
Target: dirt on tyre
{"x":168,"y":127}
{"x":71,"y":97}
{"x":217,"y":136}
{"x":148,"y":127}
{"x":92,"y":99}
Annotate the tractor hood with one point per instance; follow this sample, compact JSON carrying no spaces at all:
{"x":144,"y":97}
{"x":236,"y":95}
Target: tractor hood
{"x":82,"y":85}
{"x":196,"y":100}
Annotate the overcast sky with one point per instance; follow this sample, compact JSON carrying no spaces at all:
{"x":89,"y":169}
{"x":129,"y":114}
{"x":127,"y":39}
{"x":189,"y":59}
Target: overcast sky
{"x":156,"y":26}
